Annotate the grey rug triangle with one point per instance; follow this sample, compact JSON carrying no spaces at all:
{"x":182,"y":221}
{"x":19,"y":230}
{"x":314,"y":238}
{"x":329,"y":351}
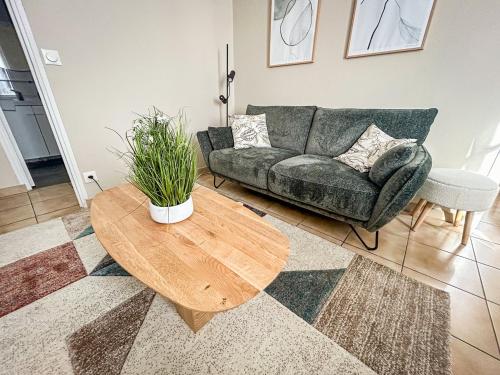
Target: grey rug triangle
{"x":108,"y":267}
{"x":86,"y":232}
{"x":102,"y":346}
{"x":304,"y":292}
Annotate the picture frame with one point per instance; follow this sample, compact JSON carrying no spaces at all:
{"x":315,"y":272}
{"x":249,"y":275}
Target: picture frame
{"x":293,"y":26}
{"x":388,"y":26}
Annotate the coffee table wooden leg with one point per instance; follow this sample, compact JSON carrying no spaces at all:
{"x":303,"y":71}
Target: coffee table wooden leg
{"x":423,"y":214}
{"x":467,"y":227}
{"x":194,"y":319}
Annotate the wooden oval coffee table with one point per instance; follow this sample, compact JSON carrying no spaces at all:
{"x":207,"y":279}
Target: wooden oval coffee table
{"x":219,"y":258}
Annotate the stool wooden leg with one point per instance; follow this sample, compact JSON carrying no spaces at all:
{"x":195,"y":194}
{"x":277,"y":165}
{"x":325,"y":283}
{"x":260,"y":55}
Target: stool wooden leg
{"x":423,"y":214}
{"x":448,"y":215}
{"x":467,"y":227}
{"x":458,"y":218}
{"x":421,"y":203}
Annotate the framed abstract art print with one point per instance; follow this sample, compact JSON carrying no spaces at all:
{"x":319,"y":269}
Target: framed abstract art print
{"x":388,"y":26}
{"x":292,"y":31}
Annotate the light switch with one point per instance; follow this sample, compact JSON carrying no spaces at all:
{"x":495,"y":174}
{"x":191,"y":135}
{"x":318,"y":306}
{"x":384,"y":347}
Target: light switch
{"x":51,"y":57}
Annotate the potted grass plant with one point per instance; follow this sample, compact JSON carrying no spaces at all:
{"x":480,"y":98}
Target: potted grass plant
{"x":162,"y":164}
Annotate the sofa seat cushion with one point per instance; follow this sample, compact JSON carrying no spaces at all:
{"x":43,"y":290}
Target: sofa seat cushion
{"x":325,"y":183}
{"x":248,"y":165}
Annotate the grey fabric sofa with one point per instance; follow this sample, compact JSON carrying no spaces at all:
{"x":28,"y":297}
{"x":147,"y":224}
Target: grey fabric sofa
{"x":299,"y":167}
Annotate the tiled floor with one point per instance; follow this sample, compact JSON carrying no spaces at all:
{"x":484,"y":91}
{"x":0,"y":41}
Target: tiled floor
{"x":20,"y":208}
{"x":432,"y":255}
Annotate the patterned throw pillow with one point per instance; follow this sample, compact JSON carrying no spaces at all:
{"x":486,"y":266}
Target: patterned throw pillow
{"x":250,"y":131}
{"x":372,"y":144}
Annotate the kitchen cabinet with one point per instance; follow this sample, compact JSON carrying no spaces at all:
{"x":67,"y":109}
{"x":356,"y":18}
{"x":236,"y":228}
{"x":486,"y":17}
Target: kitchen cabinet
{"x":31,"y":129}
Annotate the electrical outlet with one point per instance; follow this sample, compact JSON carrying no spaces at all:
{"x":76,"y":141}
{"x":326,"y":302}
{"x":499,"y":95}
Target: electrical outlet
{"x":86,"y":175}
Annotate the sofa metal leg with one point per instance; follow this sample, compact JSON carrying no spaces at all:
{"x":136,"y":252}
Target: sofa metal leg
{"x":363,"y":242}
{"x":219,"y":184}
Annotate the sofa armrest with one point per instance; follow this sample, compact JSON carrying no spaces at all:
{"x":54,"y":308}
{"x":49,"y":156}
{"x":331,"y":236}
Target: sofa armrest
{"x":205,"y":145}
{"x":221,"y":137}
{"x":391,"y":162}
{"x":399,"y":190}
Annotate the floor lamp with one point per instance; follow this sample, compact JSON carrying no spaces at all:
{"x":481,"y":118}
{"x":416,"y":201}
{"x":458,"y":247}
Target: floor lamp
{"x":229,"y":79}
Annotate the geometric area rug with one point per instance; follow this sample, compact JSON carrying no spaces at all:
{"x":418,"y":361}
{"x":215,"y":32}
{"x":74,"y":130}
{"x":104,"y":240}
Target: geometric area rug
{"x":329,"y":311}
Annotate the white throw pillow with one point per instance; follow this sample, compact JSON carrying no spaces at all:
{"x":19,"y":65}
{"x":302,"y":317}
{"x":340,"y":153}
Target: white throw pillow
{"x":372,"y":144}
{"x":250,"y":131}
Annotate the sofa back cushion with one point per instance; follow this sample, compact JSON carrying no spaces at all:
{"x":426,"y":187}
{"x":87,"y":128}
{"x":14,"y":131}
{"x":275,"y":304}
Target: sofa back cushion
{"x":288,"y":126}
{"x":334,"y":131}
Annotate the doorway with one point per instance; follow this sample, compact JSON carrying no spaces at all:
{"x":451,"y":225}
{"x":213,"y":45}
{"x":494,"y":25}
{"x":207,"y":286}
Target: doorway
{"x":24,"y":112}
{"x":28,"y":119}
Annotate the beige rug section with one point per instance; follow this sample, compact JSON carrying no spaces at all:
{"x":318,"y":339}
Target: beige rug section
{"x":259,"y":337}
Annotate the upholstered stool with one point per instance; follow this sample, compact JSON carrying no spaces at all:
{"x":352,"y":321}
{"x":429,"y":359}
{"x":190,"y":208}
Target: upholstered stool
{"x":456,"y":189}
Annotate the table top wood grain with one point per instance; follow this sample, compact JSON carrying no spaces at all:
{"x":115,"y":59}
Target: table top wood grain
{"x":217,"y":259}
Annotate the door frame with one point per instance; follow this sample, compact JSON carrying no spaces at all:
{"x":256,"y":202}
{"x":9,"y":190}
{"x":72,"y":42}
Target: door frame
{"x":37,"y":68}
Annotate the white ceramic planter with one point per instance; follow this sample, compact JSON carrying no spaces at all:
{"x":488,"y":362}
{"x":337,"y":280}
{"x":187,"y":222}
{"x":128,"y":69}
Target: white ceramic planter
{"x":173,"y":214}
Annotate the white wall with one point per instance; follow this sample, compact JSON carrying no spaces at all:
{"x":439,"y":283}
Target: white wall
{"x":7,"y":175}
{"x":123,"y":56}
{"x":458,"y":72}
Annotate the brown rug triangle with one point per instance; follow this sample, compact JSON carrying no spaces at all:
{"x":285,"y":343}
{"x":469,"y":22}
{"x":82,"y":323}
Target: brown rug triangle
{"x":392,"y":323}
{"x":102,"y":346}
